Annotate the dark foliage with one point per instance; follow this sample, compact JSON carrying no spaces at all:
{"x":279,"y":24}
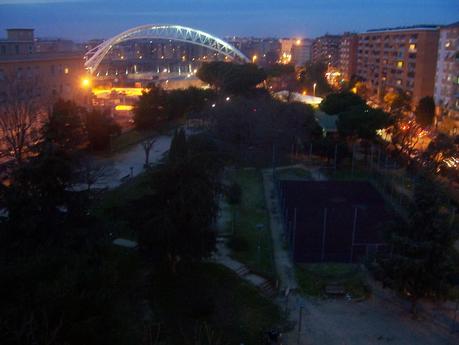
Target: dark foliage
{"x":336,"y":103}
{"x":231,"y":78}
{"x":420,"y":261}
{"x":425,"y":111}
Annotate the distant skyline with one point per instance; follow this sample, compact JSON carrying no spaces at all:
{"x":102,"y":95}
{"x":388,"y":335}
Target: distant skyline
{"x":85,"y":19}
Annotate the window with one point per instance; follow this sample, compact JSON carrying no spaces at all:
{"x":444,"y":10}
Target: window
{"x":400,"y":64}
{"x":2,"y":74}
{"x":399,"y":82}
{"x":412,"y":47}
{"x":448,"y":44}
{"x":66,"y":70}
{"x":16,"y":48}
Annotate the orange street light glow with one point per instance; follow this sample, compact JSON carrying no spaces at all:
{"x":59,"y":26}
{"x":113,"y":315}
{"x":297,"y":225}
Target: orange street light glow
{"x":86,"y":82}
{"x":124,"y":107}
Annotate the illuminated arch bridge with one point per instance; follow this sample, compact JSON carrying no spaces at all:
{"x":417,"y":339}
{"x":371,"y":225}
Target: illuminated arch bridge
{"x":169,"y":32}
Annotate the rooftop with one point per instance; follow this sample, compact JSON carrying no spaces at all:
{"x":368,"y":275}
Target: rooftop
{"x":429,"y":27}
{"x":41,"y":57}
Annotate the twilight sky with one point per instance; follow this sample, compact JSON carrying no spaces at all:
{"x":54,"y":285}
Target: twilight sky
{"x":84,"y":19}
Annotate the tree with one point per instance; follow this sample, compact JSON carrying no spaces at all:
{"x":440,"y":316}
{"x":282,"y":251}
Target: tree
{"x":336,"y":103}
{"x":157,"y":106}
{"x":362,"y":122}
{"x":101,"y":128}
{"x":149,"y":112}
{"x":397,"y":101}
{"x":64,"y":127}
{"x":178,"y":149}
{"x":230,"y":77}
{"x":314,"y":73}
{"x":441,"y":149}
{"x":425,"y":111}
{"x":420,"y":261}
{"x":19,"y":128}
{"x":405,"y":135}
{"x":178,"y":222}
{"x":147,"y":146}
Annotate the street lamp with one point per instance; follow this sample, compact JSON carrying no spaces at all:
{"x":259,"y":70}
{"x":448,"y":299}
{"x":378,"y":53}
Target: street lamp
{"x":254,"y":58}
{"x":315,"y":84}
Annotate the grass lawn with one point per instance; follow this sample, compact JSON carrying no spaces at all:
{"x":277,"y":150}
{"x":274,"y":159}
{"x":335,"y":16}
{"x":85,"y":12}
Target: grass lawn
{"x":250,"y":213}
{"x":106,"y":208}
{"x":295,"y":173}
{"x":313,"y":278}
{"x":129,"y":138}
{"x":209,"y":295}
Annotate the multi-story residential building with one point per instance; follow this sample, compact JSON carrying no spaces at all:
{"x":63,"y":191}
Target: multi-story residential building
{"x":17,"y":42}
{"x":447,"y":77}
{"x":398,"y":58}
{"x":325,"y":49}
{"x":301,"y":51}
{"x":26,"y":74}
{"x":348,"y":56}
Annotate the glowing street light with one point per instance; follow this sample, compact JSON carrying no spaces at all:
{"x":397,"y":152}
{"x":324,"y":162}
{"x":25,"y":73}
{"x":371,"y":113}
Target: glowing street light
{"x":254,"y":58}
{"x":315,"y":84}
{"x":86,"y":83}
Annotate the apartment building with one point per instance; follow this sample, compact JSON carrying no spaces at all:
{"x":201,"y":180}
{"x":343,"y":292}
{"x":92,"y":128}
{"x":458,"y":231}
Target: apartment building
{"x":447,"y":78}
{"x":301,"y":51}
{"x":398,"y":58}
{"x":27,"y":74}
{"x":348,"y":55}
{"x":325,"y":49}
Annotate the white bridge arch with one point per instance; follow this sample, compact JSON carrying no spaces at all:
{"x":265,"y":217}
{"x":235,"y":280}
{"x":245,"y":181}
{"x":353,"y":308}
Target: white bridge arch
{"x":170,"y":32}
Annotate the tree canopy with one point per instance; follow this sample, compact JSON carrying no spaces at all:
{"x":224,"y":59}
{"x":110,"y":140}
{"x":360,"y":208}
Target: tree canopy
{"x":336,"y":103}
{"x":314,"y":73}
{"x":425,"y":111}
{"x":156,"y":106}
{"x":420,"y":262}
{"x":362,"y":122}
{"x":231,"y":78}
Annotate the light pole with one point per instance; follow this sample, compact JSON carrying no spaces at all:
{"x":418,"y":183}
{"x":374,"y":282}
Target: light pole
{"x":315,"y":84}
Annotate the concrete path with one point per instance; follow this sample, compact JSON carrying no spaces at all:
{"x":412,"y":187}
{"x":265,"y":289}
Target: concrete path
{"x":120,"y":164}
{"x":284,"y":266}
{"x":222,"y":254}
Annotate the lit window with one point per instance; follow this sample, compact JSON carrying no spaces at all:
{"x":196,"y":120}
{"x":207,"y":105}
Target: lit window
{"x":399,"y":82}
{"x":412,"y":47}
{"x":66,"y":70}
{"x":448,"y":44}
{"x":400,"y":64}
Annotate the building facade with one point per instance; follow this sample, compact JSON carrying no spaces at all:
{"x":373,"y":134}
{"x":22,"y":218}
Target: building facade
{"x":301,"y":51}
{"x":325,"y":49}
{"x":17,"y":42}
{"x":447,"y":78}
{"x":348,"y":56}
{"x":28,"y":74}
{"x":398,"y":58}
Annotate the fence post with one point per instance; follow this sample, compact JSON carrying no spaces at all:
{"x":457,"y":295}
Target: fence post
{"x":324,"y":234}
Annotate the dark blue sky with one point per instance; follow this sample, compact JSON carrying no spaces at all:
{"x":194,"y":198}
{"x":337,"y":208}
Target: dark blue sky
{"x":83,"y":19}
